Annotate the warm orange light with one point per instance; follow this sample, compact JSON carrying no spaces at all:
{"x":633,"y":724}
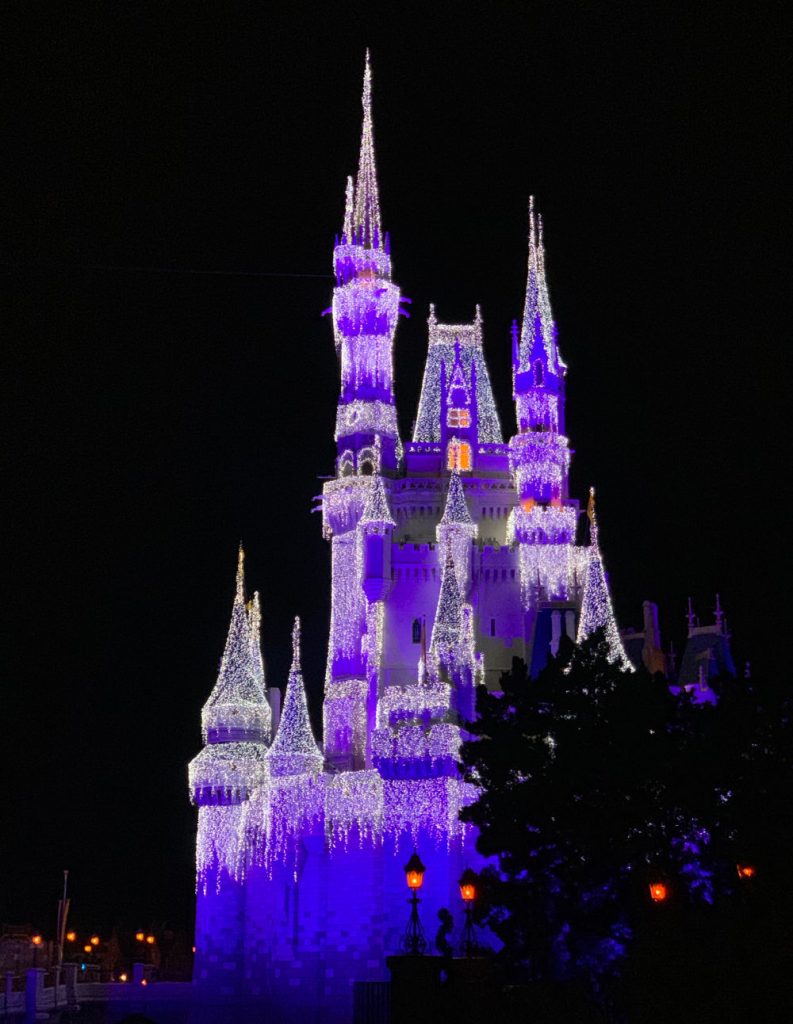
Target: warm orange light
{"x":144,"y":982}
{"x":94,"y":940}
{"x":415,"y":880}
{"x":194,"y":949}
{"x":527,"y":504}
{"x":37,"y":940}
{"x":71,"y":936}
{"x":140,"y":936}
{"x":414,"y":872}
{"x":746,"y":870}
{"x":150,"y":939}
{"x":122,"y":977}
{"x":88,"y":949}
{"x":658,"y":892}
{"x":467,"y":883}
{"x":468,"y":893}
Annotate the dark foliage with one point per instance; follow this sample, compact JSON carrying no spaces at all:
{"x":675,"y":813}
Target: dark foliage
{"x":595,"y":783}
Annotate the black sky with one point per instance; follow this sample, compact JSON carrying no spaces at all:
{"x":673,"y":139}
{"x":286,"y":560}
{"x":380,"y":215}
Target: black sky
{"x":155,"y":415}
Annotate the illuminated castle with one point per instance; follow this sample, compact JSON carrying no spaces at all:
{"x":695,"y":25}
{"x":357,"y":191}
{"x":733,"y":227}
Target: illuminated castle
{"x":451,"y":553}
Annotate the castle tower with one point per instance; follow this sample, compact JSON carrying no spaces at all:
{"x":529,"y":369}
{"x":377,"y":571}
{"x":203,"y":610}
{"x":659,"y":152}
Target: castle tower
{"x":543,"y":523}
{"x":294,"y":750}
{"x":366,"y":304}
{"x":596,"y":609}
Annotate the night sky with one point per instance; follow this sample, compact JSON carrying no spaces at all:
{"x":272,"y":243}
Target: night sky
{"x":173,"y":182}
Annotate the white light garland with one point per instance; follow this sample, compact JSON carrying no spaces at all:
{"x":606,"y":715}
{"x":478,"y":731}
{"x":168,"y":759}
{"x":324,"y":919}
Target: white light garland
{"x":294,"y":749}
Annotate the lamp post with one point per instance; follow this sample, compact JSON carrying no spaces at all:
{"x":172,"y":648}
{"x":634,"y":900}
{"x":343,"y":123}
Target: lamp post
{"x":658,"y":892}
{"x":467,"y":885}
{"x":414,"y":942}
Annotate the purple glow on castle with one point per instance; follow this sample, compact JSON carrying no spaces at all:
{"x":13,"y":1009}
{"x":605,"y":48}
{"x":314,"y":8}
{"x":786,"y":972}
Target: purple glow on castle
{"x":451,"y":554}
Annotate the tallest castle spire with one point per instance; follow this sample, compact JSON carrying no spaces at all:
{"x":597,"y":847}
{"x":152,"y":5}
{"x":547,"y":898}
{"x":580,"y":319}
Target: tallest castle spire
{"x":366,"y":209}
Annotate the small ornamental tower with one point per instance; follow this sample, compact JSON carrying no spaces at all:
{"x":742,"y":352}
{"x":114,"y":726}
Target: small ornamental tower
{"x":294,"y":750}
{"x":456,"y":532}
{"x":544,"y":520}
{"x":596,"y":609}
{"x":236,"y":718}
{"x":366,"y":304}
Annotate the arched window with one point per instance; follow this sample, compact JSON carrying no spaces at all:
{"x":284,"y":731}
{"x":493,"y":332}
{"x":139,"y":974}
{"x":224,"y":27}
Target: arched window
{"x":345,"y":463}
{"x":367,"y":461}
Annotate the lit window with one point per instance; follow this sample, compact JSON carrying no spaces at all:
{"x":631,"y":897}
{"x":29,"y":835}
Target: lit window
{"x":458,"y":418}
{"x":458,"y":455}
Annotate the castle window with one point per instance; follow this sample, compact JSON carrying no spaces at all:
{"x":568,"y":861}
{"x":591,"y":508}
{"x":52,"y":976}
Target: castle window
{"x":416,"y":631}
{"x":458,"y":418}
{"x":366,"y":468}
{"x":492,"y":627}
{"x":538,"y":373}
{"x":458,"y":455}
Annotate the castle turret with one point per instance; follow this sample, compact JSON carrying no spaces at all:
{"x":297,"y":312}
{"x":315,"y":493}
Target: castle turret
{"x":375,"y":527}
{"x":456,"y":532}
{"x":543,"y":523}
{"x":366,"y":304}
{"x":236,"y":718}
{"x":596,"y":609}
{"x":294,"y":750}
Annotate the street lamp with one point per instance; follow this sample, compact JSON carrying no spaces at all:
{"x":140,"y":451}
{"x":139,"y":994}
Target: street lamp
{"x":746,"y":870}
{"x":414,"y":942}
{"x":467,"y":883}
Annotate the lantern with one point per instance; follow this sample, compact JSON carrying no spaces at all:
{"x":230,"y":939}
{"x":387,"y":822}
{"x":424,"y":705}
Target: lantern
{"x":94,"y":940}
{"x":88,"y":949}
{"x":37,"y":940}
{"x":71,"y":936}
{"x":150,"y":940}
{"x":414,"y":872}
{"x":122,"y":977}
{"x":658,"y":892}
{"x":746,"y":870}
{"x":140,"y":936}
{"x":467,"y":885}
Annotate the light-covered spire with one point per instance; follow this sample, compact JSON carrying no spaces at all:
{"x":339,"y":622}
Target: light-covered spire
{"x":237,"y":707}
{"x":456,"y":510}
{"x":596,"y":608}
{"x":255,"y":623}
{"x":538,"y":333}
{"x":349,"y":203}
{"x":376,"y":511}
{"x":447,"y":628}
{"x":294,"y":750}
{"x":367,"y":200}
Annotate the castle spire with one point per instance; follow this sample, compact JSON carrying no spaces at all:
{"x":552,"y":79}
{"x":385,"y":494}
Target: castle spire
{"x":237,"y":707}
{"x":447,"y":628}
{"x":596,"y":608}
{"x":367,"y":199}
{"x":349,"y":205}
{"x":456,"y":510}
{"x":538,"y":332}
{"x":376,"y":511}
{"x":255,"y":626}
{"x":294,"y":750}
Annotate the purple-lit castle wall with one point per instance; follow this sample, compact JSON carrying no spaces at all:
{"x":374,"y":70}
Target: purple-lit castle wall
{"x":451,"y":553}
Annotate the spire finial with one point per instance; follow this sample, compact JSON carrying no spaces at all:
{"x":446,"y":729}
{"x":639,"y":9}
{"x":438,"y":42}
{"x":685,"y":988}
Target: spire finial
{"x":592,"y":516}
{"x":719,"y":614}
{"x":691,"y":617}
{"x":241,"y":573}
{"x":367,"y":201}
{"x":296,"y":645}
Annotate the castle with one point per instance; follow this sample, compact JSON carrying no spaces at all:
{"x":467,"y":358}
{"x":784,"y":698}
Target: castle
{"x":451,"y":553}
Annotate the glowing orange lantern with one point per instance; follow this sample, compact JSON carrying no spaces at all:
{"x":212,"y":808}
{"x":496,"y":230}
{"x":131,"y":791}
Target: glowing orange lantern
{"x":122,"y":977}
{"x":746,"y":870}
{"x":144,"y":982}
{"x":94,"y":940}
{"x":414,"y":872}
{"x":88,"y":949}
{"x":150,"y":940}
{"x":140,"y":936}
{"x":37,"y":940}
{"x":71,"y":936}
{"x":467,"y":885}
{"x":658,"y":892}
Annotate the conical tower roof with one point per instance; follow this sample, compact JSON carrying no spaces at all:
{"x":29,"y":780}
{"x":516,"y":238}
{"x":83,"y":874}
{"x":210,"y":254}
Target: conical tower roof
{"x":255,"y":625}
{"x":596,"y":608}
{"x":446,"y":629}
{"x":237,"y":707}
{"x":538,"y":333}
{"x":366,"y":207}
{"x":294,"y":750}
{"x":456,"y":511}
{"x":377,"y":511}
